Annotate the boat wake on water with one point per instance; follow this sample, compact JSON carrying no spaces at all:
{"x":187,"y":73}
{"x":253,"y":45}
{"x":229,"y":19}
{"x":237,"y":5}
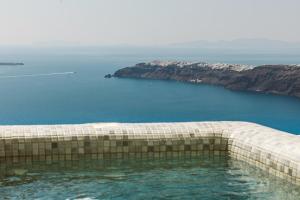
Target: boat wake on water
{"x":38,"y":75}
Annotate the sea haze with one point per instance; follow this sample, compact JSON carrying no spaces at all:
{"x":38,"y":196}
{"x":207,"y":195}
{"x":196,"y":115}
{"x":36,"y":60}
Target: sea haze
{"x":67,"y":85}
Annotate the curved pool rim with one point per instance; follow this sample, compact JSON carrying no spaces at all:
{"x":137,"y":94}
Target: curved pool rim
{"x":271,"y":150}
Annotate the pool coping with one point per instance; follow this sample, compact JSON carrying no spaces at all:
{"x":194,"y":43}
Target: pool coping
{"x":271,"y":150}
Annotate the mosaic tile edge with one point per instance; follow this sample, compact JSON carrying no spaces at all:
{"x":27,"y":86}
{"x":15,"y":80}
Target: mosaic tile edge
{"x":274,"y":151}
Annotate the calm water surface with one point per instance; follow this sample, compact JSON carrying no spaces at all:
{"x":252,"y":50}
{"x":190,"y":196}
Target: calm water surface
{"x":207,"y":178}
{"x":53,"y":95}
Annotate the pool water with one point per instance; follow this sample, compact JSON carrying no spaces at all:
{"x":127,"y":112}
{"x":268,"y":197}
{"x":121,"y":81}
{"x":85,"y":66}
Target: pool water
{"x":201,"y":178}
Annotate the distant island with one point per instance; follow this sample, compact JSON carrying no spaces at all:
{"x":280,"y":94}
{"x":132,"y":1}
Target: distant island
{"x":274,"y":79}
{"x":10,"y":63}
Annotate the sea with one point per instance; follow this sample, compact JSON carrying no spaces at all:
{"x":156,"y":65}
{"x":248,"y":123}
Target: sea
{"x":66,"y":85}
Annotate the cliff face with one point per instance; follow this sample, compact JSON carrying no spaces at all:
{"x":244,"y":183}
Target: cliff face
{"x":275,"y":79}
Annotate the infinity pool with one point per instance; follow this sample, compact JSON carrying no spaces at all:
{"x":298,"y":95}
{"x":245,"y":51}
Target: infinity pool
{"x":204,"y":178}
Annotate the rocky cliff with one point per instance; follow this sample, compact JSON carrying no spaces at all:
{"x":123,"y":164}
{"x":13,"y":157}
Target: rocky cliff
{"x":275,"y":79}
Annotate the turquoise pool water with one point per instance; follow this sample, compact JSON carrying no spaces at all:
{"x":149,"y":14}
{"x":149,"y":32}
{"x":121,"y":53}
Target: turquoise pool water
{"x":202,"y":178}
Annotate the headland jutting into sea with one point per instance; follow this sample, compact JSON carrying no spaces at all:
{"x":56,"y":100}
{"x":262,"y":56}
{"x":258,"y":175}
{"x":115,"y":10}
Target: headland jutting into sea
{"x":274,"y":79}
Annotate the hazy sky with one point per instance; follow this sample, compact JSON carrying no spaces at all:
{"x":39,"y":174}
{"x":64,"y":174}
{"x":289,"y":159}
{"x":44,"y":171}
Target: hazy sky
{"x":150,"y":22}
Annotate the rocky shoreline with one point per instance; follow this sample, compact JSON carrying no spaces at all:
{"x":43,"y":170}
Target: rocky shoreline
{"x":273,"y":79}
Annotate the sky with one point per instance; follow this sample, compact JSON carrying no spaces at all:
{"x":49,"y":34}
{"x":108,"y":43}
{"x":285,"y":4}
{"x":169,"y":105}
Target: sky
{"x":145,"y":22}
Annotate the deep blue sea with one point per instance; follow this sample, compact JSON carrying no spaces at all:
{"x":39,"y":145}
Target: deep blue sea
{"x":44,"y":92}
